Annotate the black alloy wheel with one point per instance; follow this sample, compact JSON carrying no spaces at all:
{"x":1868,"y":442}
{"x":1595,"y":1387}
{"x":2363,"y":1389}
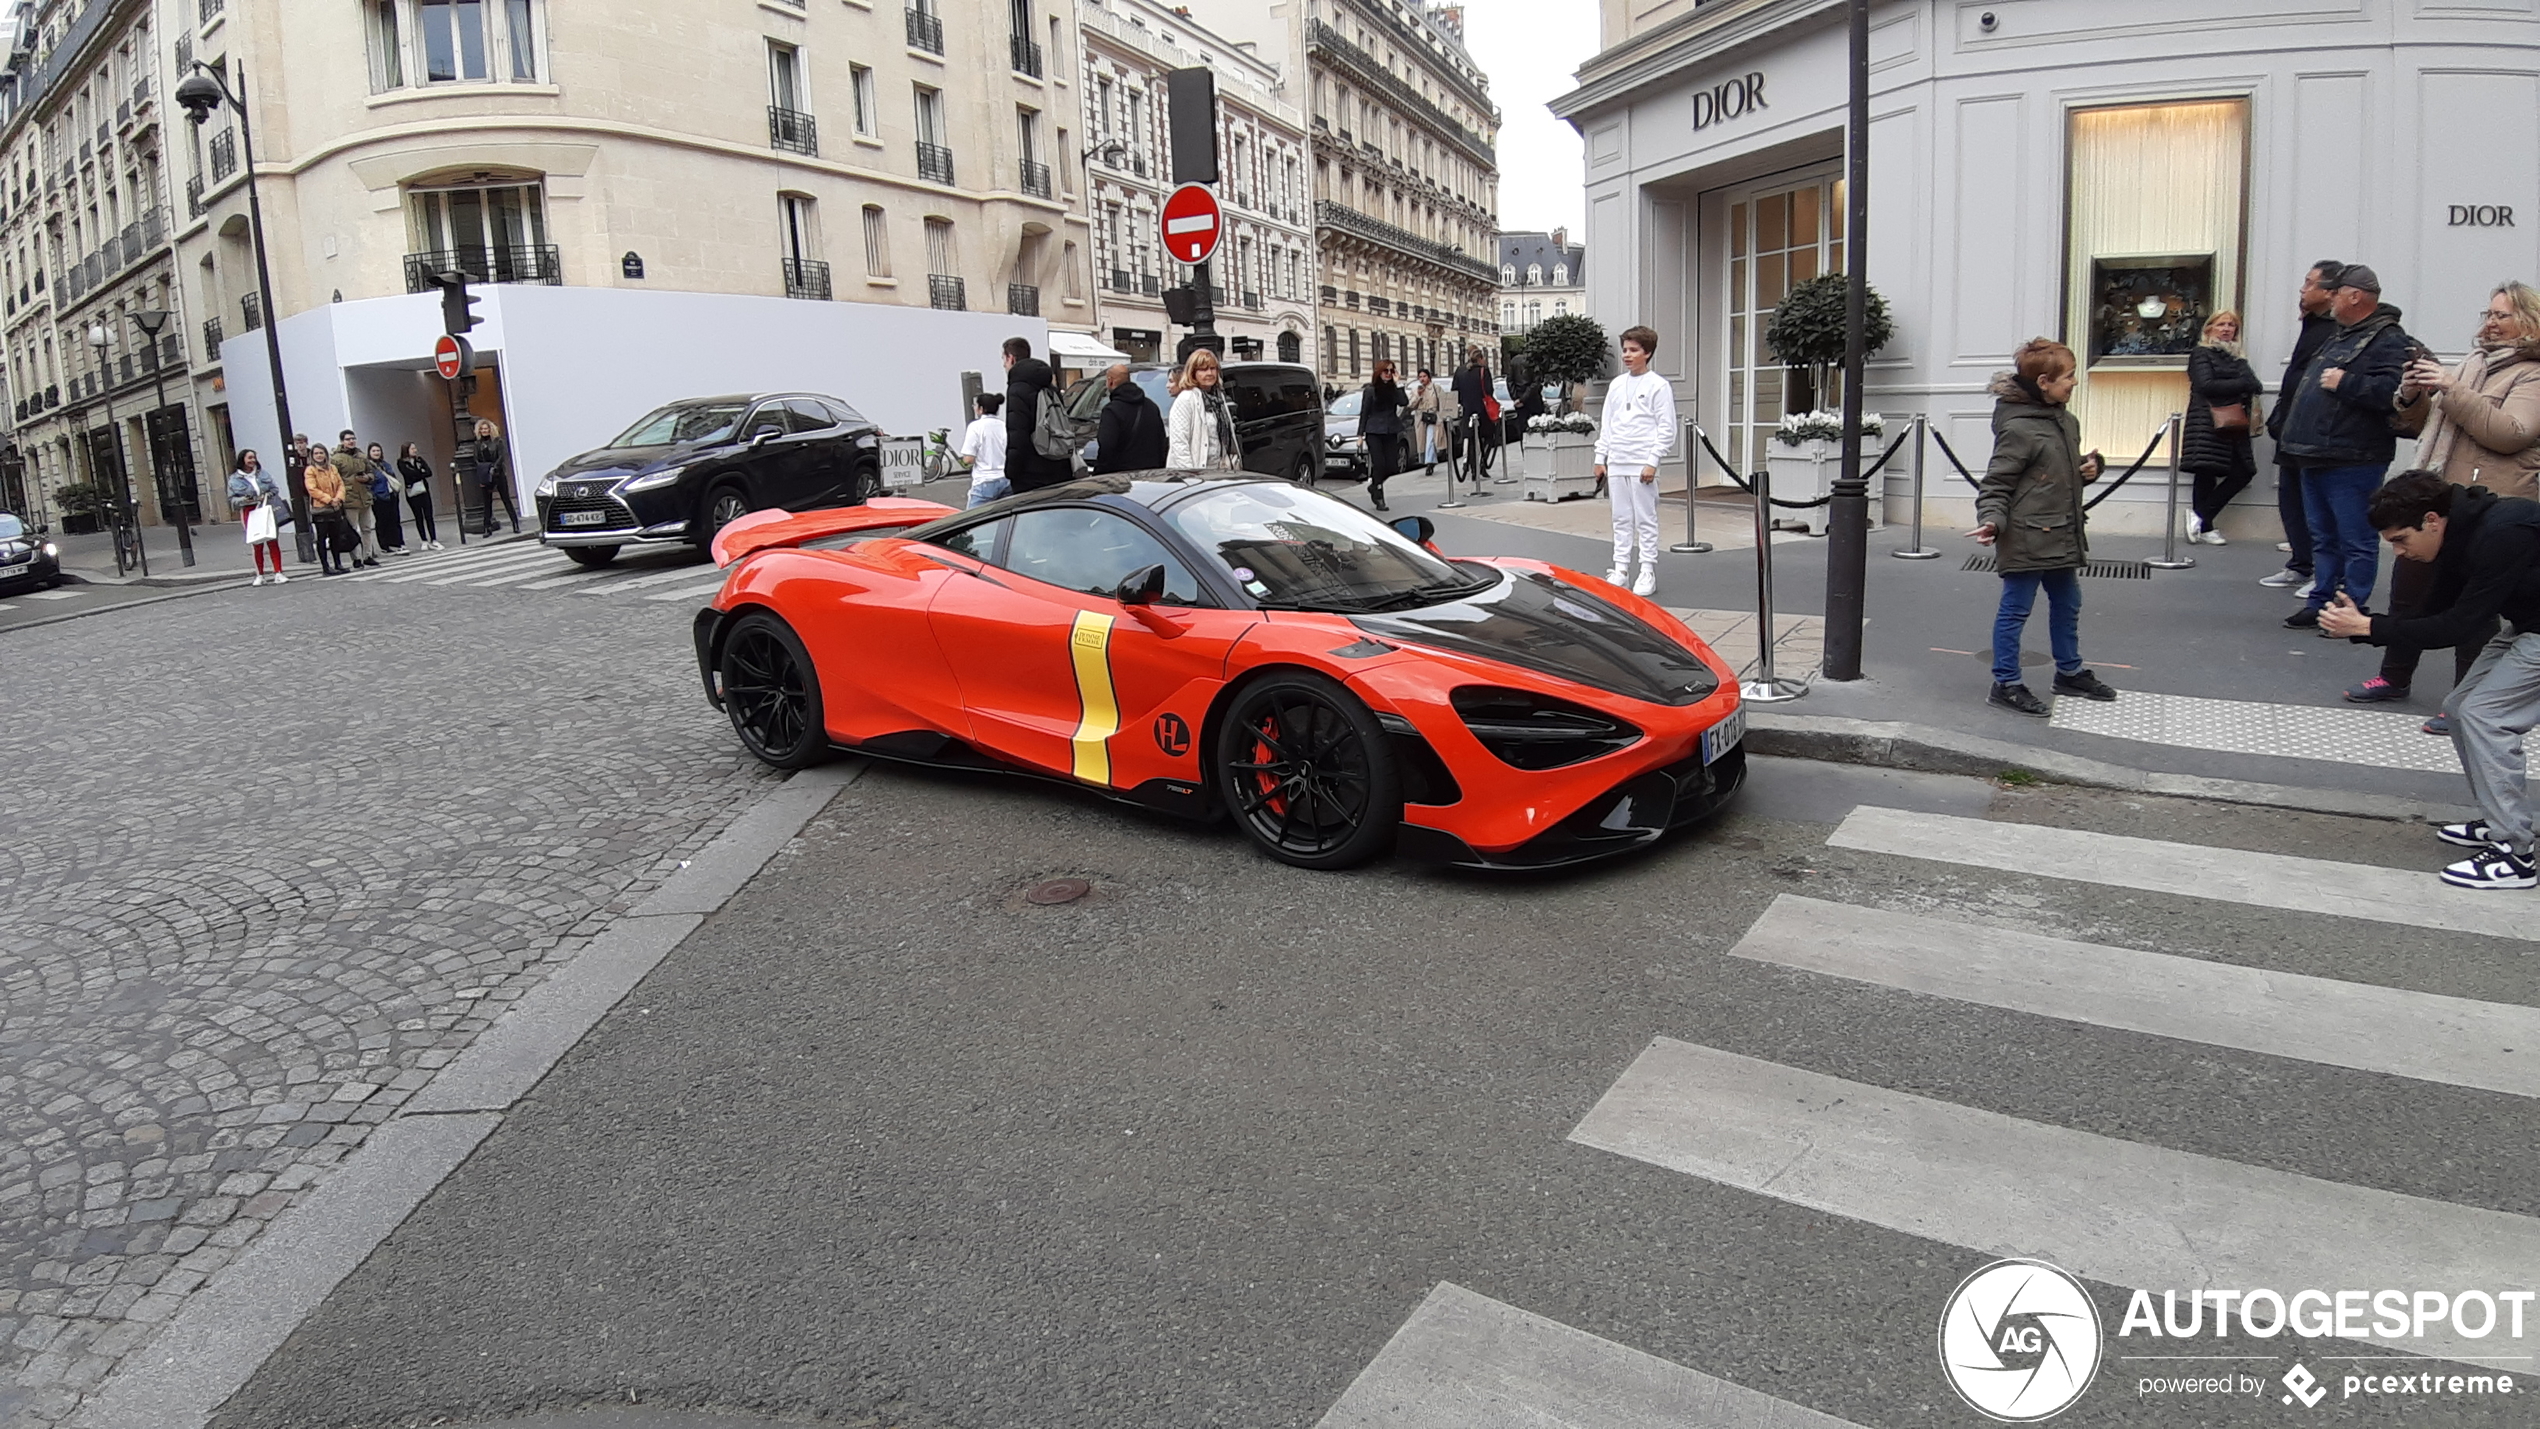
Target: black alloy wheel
{"x":1308,"y":772}
{"x":725,"y":504}
{"x":591,"y":556}
{"x":866,"y":485}
{"x":1304,"y":474}
{"x":772,"y":693}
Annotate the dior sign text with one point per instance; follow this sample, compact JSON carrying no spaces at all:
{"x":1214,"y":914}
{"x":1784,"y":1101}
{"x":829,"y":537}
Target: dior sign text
{"x":2465,"y":215}
{"x":1729,"y":100}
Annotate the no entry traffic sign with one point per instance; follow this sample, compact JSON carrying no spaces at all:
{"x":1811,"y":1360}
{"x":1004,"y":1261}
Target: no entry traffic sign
{"x":1191,"y":223}
{"x":451,"y":357}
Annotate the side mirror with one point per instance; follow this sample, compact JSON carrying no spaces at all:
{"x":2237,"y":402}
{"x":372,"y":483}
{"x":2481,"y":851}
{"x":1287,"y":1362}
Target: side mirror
{"x":1420,"y":529}
{"x":1144,"y":587}
{"x":762,"y":436}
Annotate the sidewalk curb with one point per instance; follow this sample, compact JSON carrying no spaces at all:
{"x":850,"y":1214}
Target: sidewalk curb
{"x":1923,"y":748}
{"x":44,"y":620}
{"x":225,"y":1331}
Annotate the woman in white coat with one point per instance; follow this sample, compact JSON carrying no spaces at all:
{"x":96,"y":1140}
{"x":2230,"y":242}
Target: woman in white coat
{"x":1200,"y":431}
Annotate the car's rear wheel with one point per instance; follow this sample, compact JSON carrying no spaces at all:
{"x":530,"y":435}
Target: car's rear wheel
{"x":592,"y":556}
{"x":725,"y":503}
{"x":1304,"y":473}
{"x":866,"y":484}
{"x":1308,"y":773}
{"x":772,"y":693}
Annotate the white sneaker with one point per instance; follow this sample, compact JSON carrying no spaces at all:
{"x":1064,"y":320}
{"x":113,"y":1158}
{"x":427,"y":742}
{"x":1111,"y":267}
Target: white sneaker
{"x":1646,"y":584}
{"x":2283,"y":579}
{"x":1617,"y":576}
{"x":279,"y":578}
{"x":2285,"y":546}
{"x":2210,"y":537}
{"x":2494,"y":866}
{"x":259,"y":580}
{"x":2308,"y":586}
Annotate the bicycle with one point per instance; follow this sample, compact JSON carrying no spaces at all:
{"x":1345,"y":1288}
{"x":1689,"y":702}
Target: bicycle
{"x":936,"y":460}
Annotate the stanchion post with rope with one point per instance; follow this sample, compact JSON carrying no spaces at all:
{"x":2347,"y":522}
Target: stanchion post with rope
{"x":1692,"y":545}
{"x":1765,"y":688}
{"x":1916,"y":551}
{"x":2170,"y":559}
{"x":1454,"y":494}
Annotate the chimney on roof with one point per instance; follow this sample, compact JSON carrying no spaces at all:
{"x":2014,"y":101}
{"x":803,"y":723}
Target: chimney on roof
{"x":1561,"y":238}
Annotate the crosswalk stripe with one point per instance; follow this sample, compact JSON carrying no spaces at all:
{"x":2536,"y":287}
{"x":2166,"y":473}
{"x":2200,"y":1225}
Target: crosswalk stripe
{"x":2455,"y":1040}
{"x":537,"y":560}
{"x":53,"y":595}
{"x":2116,"y":1211}
{"x":1466,"y":1361}
{"x":579,"y":575}
{"x":2262,"y":880}
{"x":524,"y":571}
{"x":682,"y":573}
{"x":455,"y":561}
{"x":701,"y":592}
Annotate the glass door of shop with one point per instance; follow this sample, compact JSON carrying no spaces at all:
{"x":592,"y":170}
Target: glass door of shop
{"x":1781,"y":232}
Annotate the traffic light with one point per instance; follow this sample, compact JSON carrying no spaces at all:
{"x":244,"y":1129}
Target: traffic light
{"x":1190,"y":97}
{"x":458,"y":305}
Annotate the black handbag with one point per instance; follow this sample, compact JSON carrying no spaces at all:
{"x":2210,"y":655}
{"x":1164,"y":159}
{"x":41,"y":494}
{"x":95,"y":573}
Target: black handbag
{"x":340,"y":535}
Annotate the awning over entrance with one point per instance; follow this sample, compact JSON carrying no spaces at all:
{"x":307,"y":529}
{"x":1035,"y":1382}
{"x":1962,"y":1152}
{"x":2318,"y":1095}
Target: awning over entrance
{"x":1081,"y":349}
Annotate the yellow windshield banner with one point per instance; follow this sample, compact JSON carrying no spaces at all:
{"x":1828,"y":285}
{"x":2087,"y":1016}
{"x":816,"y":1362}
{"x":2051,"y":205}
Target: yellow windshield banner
{"x":1089,"y":644}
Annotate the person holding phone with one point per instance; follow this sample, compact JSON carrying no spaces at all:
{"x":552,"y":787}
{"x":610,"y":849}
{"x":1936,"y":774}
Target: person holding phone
{"x":2339,"y":432}
{"x":2029,"y":509}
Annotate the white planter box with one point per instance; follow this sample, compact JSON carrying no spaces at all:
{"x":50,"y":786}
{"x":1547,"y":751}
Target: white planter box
{"x":1559,"y":465}
{"x":1807,"y":473}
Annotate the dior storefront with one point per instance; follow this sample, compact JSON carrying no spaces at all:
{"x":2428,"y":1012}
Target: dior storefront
{"x":2104,"y":173}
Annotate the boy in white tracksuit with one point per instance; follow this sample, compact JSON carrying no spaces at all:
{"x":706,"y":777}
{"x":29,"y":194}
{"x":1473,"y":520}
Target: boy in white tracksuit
{"x":1637,"y":432}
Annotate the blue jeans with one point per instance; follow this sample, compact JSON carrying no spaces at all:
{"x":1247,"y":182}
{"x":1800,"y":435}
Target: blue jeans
{"x":2297,"y":522}
{"x":2063,"y":621}
{"x":985,"y":488}
{"x":2346,"y":549}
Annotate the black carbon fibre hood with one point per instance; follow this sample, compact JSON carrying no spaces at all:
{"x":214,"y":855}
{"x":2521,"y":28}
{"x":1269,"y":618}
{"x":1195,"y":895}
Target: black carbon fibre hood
{"x":1537,"y":623}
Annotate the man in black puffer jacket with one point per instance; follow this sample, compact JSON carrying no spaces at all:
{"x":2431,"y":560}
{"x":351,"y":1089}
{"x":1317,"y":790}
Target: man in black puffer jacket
{"x":2486,"y":555}
{"x":2339,"y":431}
{"x":1130,"y":436}
{"x":2319,"y":285}
{"x":1027,"y":385}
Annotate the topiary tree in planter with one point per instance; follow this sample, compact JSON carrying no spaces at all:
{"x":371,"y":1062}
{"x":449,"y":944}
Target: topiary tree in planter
{"x":81,"y":505}
{"x":1569,"y":349}
{"x":1807,"y":333}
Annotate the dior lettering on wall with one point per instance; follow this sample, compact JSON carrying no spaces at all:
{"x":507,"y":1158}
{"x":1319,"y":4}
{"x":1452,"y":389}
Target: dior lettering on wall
{"x":1727,"y":100}
{"x":2475,"y":215}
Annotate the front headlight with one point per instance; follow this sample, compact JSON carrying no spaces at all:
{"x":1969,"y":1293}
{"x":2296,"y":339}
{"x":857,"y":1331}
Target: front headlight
{"x":52,"y":550}
{"x":655,"y":481}
{"x":547,"y":487}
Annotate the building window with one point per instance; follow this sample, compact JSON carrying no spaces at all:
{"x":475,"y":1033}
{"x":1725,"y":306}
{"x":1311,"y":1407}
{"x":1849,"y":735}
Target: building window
{"x":1534,"y":275}
{"x":1560,"y":275}
{"x":497,"y":233}
{"x":1508,"y":275}
{"x":806,"y":275}
{"x":789,"y":123}
{"x":877,"y":242}
{"x":1075,"y":278}
{"x":867,"y":109}
{"x":1033,"y":175}
{"x":944,"y":287}
{"x":453,"y":41}
{"x":934,"y":159}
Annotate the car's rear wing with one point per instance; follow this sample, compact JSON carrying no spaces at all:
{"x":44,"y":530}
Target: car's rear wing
{"x":763,"y":530}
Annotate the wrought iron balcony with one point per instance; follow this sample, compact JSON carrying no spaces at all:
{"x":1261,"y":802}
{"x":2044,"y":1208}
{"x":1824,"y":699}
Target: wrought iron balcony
{"x":947,"y":292}
{"x":211,"y":337}
{"x":807,"y":278}
{"x":934,"y":161}
{"x":194,"y":196}
{"x":1023,"y":300}
{"x":1118,"y":280}
{"x":925,"y":32}
{"x":519,"y":263}
{"x":208,"y":9}
{"x":224,"y":154}
{"x":1252,"y":300}
{"x":1036,"y":179}
{"x":1027,"y":55}
{"x":251,"y":310}
{"x":792,"y":130}
{"x":1328,"y":214}
{"x":1150,"y":285}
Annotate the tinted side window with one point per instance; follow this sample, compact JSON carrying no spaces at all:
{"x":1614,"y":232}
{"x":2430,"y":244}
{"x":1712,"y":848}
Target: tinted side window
{"x":1251,"y":399}
{"x":977,"y":542}
{"x":1078,"y":549}
{"x":1296,"y":393}
{"x":768,"y":418}
{"x":844,"y":413}
{"x":810,"y":416}
{"x":1084,"y":400}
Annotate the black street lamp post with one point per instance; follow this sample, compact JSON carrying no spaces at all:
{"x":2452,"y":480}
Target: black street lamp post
{"x":151,"y":321}
{"x":199,"y":94}
{"x":127,"y":513}
{"x":1848,"y":514}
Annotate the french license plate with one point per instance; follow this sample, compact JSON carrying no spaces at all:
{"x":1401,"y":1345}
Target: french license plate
{"x":583,"y":518}
{"x":1720,"y":738}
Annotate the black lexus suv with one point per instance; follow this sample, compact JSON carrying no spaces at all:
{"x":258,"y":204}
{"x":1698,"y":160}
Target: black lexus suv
{"x":688,"y":469}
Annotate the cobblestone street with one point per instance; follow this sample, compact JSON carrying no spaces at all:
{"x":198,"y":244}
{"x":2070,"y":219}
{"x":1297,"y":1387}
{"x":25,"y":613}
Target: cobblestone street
{"x":273,"y":857}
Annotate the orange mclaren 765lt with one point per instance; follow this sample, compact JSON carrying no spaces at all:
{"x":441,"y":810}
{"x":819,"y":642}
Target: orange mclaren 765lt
{"x":1229,"y":644}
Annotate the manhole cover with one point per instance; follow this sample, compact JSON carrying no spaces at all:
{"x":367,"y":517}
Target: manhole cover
{"x":1058,"y":890}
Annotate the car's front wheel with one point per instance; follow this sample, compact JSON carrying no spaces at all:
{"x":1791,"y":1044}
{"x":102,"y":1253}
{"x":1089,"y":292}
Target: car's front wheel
{"x":864,"y":485}
{"x":591,"y":556}
{"x":772,"y":693}
{"x":1308,"y":773}
{"x":725,"y":504}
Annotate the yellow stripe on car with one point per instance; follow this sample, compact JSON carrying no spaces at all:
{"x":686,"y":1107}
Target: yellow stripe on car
{"x":1089,"y":644}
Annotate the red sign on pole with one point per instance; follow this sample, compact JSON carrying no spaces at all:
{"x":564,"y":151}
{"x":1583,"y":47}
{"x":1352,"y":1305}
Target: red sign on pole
{"x":1191,"y":223}
{"x":451,"y":357}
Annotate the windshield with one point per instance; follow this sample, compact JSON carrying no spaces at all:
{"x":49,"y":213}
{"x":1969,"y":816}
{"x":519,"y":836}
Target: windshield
{"x":1301,"y":550}
{"x":1345,"y":405}
{"x":683,"y":423}
{"x":11,"y":528}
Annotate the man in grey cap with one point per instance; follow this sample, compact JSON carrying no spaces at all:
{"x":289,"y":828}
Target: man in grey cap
{"x":2339,"y":433}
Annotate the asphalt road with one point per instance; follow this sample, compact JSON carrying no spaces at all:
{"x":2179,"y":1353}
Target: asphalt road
{"x":883,"y":1143}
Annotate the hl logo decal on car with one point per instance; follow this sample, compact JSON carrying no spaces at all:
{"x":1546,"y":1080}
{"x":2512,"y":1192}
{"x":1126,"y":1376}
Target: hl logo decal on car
{"x":1089,"y":645}
{"x":1173,"y":734}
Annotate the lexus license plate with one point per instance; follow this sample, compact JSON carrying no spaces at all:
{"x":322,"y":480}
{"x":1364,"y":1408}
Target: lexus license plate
{"x":1720,"y":738}
{"x":583,"y":518}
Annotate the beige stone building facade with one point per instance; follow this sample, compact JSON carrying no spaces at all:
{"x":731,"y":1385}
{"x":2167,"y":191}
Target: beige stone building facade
{"x":93,"y":324}
{"x":1264,"y":268}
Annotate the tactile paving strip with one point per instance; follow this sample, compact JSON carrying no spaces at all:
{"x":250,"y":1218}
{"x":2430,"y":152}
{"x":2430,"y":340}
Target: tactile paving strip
{"x":2344,"y":736}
